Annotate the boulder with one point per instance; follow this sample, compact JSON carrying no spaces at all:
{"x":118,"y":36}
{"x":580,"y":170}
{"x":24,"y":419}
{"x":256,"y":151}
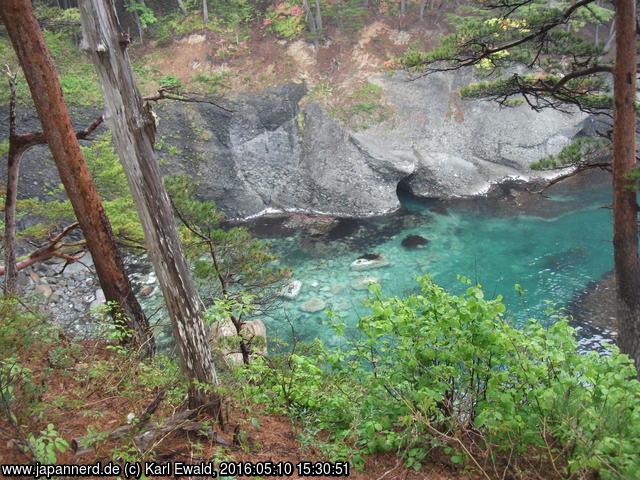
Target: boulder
{"x":222,"y":334}
{"x":369,"y":262}
{"x":414,"y":241}
{"x":44,"y":290}
{"x":312,"y":306}
{"x":291,"y":290}
{"x":363,"y":283}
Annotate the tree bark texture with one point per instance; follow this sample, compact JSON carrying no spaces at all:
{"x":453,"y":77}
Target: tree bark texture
{"x":133,"y":131}
{"x":205,"y":12}
{"x":625,"y":208}
{"x":11,"y":197}
{"x":37,"y":65}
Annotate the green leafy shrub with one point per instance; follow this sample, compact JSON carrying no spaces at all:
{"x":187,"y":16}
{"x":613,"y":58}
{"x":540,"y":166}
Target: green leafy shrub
{"x":446,"y":372}
{"x":210,"y":84}
{"x":170,"y":81}
{"x":45,"y":445}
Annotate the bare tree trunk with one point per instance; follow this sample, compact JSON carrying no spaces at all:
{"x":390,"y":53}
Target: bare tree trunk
{"x":625,"y":208}
{"x":136,"y":16}
{"x":339,"y":22}
{"x":403,"y":7}
{"x":11,"y":197}
{"x":318,"y":16}
{"x":423,"y":4}
{"x":612,"y":37}
{"x":133,"y":131}
{"x":182,"y":7}
{"x":28,"y":42}
{"x":311,"y":21}
{"x":205,"y":12}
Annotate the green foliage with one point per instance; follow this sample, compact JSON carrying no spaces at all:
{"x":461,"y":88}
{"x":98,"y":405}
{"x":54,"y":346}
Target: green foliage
{"x":233,"y":13}
{"x":175,"y":25}
{"x":209,"y":84}
{"x":145,"y":14}
{"x":105,"y":168}
{"x":233,"y":270}
{"x":286,"y":19}
{"x":170,"y":82}
{"x":436,"y":371}
{"x":348,"y":15}
{"x":577,"y":152}
{"x":78,"y":78}
{"x":363,"y":108}
{"x":535,"y":34}
{"x":45,"y":445}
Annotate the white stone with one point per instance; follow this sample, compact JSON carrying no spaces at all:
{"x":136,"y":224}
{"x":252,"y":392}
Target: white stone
{"x":291,"y":290}
{"x":312,"y":306}
{"x":364,"y":264}
{"x":44,"y":290}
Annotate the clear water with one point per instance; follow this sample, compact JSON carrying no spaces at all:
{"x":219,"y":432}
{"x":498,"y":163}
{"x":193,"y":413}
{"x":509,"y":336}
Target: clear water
{"x":553,"y":250}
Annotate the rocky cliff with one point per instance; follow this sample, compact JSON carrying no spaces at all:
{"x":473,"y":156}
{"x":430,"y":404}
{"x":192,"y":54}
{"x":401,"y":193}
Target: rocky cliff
{"x":281,"y":151}
{"x":277,"y":152}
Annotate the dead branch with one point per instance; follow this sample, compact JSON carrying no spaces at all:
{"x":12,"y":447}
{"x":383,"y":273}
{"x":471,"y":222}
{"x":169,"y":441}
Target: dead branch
{"x":189,"y":97}
{"x":151,"y":430}
{"x":52,"y":249}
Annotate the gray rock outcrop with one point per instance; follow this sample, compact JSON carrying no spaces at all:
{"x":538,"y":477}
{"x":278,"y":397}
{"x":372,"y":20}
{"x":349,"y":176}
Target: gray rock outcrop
{"x":275,"y":152}
{"x":461,"y":147}
{"x":270,"y":154}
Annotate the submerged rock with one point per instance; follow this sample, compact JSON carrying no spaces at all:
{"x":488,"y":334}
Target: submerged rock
{"x":363,"y":283}
{"x":414,"y":241}
{"x":369,"y":262}
{"x":314,"y":305}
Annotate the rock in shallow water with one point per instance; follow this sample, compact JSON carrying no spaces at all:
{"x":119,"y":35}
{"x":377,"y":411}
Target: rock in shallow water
{"x":312,"y":306}
{"x":291,"y":290}
{"x":362,"y":283}
{"x":370,"y":261}
{"x":414,"y":241}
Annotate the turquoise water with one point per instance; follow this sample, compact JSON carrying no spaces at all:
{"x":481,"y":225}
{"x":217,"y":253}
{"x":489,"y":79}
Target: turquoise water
{"x":553,"y":248}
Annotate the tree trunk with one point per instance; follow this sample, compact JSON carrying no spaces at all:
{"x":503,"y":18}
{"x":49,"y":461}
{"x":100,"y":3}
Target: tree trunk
{"x":30,"y":47}
{"x":318,"y":16}
{"x":311,"y":21}
{"x":133,"y":131}
{"x":11,"y":197}
{"x":625,"y":208}
{"x":182,"y":7}
{"x":423,"y":4}
{"x":205,"y":12}
{"x":339,"y":23}
{"x":611,"y":38}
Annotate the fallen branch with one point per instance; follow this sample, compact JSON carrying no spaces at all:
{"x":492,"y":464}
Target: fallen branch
{"x":152,"y":430}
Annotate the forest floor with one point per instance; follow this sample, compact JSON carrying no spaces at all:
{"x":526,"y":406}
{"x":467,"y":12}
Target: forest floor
{"x":87,"y":389}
